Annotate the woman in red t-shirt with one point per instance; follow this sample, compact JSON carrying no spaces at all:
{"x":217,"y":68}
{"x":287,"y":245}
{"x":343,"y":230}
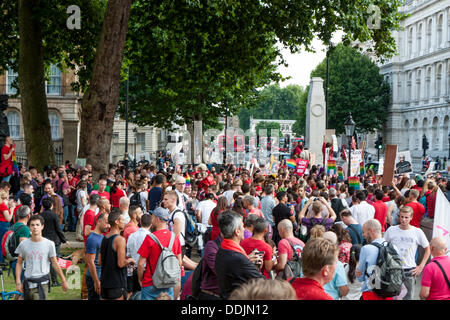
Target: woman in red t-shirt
{"x":222,"y":205}
{"x":117,"y":192}
{"x":6,"y":165}
{"x":5,"y":216}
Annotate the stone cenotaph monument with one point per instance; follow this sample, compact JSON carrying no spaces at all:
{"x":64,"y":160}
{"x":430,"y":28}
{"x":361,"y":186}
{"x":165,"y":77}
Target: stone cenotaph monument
{"x":315,"y":119}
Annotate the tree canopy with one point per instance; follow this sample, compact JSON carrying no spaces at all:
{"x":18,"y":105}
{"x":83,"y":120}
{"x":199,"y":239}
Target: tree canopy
{"x":355,"y":86}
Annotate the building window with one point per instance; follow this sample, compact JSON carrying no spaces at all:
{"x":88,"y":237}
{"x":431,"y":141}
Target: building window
{"x":53,"y":117}
{"x":11,"y":76}
{"x":14,"y":124}
{"x":438,"y":80}
{"x":419,"y":39}
{"x":410,"y":37}
{"x":54,"y":83}
{"x":418,"y":84}
{"x":428,"y":84}
{"x":429,"y":34}
{"x":140,"y":139}
{"x":440,"y":26}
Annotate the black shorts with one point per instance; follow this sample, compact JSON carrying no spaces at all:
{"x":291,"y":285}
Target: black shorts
{"x":113,"y":293}
{"x":133,"y":282}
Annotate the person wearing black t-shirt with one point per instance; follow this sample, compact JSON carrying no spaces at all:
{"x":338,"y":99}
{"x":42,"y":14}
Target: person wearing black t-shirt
{"x":281,"y":212}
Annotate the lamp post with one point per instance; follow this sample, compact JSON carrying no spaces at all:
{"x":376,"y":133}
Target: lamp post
{"x":135,"y":141}
{"x":225,"y":136}
{"x":126,"y":119}
{"x":349,"y":130}
{"x":330,"y":47}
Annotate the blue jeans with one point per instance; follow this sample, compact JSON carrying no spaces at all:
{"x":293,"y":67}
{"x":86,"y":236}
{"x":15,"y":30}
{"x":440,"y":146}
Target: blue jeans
{"x":4,"y":227}
{"x":186,"y":276}
{"x":72,"y":223}
{"x":151,"y":293}
{"x":13,"y":267}
{"x":65,"y":216}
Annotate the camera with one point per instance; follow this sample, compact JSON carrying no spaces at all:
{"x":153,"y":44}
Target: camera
{"x":316,"y":199}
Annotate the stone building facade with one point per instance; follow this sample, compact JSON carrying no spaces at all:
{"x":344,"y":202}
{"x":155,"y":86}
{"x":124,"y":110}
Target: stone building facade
{"x":64,"y":107}
{"x":419,"y":76}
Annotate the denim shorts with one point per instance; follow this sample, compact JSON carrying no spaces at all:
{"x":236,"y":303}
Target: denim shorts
{"x":151,"y":293}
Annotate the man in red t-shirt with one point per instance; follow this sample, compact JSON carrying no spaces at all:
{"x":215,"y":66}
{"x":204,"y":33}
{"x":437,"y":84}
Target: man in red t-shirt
{"x":380,"y":209}
{"x":101,"y":190}
{"x":256,"y":242}
{"x":418,"y":208}
{"x":319,"y":263}
{"x":288,"y":240}
{"x":150,"y":251}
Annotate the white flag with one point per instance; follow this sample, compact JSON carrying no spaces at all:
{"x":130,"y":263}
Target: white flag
{"x":441,"y":226}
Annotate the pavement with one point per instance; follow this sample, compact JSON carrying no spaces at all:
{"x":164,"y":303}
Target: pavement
{"x":71,"y":241}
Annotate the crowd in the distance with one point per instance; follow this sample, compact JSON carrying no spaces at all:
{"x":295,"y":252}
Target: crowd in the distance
{"x":231,"y":233}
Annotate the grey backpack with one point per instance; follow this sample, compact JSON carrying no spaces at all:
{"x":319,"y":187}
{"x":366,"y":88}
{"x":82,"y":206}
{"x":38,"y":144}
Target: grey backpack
{"x":168,"y":271}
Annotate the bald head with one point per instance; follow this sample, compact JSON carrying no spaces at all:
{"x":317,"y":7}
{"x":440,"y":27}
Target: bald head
{"x":330,"y":236}
{"x":438,"y":246}
{"x":285,"y":228}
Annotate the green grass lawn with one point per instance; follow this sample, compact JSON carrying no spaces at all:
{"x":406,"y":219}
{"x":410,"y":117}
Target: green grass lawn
{"x":56,"y":293}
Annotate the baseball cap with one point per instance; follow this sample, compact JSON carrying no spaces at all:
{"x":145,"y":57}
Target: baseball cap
{"x":418,"y":178}
{"x":161,"y":213}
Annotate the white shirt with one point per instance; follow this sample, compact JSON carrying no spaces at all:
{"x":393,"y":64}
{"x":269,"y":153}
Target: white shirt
{"x":126,"y":217}
{"x":182,"y":199}
{"x":180,"y":216}
{"x":362,"y":212}
{"x":134,"y":242}
{"x":229,"y":195}
{"x":407,"y":242}
{"x":355,"y":288}
{"x":205,"y":207}
{"x":144,"y":197}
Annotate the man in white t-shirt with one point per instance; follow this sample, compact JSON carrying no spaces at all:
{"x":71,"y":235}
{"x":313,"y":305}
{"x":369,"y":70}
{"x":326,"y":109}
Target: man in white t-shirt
{"x":177,"y":220}
{"x":37,"y":252}
{"x":180,"y":185}
{"x":204,"y":209}
{"x":363,"y":211}
{"x":236,"y":187}
{"x":407,"y":239}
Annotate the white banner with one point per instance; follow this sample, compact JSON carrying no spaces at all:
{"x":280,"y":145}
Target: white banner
{"x":430,"y":168}
{"x":441,"y":226}
{"x":357,"y":155}
{"x":380,"y":167}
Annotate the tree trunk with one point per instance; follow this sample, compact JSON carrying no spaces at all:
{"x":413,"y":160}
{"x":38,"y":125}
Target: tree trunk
{"x":38,"y":140}
{"x":102,"y":96}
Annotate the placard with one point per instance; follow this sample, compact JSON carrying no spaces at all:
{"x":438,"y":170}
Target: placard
{"x":406,"y":165}
{"x":389,"y":161}
{"x":441,"y":223}
{"x":302,"y":164}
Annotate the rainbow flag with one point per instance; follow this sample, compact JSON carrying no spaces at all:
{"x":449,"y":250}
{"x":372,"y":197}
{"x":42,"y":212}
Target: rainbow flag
{"x":331,"y":167}
{"x":362,"y":169}
{"x":354,"y":182}
{"x":14,"y":161}
{"x":291,"y":163}
{"x":188,"y":180}
{"x":340,"y":171}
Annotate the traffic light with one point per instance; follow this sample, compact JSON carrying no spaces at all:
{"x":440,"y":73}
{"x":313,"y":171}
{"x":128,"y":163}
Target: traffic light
{"x":425,"y":144}
{"x":379,"y":143}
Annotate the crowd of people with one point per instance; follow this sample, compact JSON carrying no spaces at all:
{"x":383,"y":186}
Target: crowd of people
{"x":207,"y":232}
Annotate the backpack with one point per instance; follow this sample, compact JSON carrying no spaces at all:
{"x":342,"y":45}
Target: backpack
{"x":293,"y":267}
{"x":73,"y":197}
{"x":168,"y":269}
{"x":191,"y":231}
{"x":135,"y":200}
{"x":305,"y":237}
{"x":197,"y":275}
{"x":390,"y":276}
{"x":10,"y":244}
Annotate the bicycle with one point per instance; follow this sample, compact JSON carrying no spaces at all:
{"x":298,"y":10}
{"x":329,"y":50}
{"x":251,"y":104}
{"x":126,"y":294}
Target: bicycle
{"x":11,"y":294}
